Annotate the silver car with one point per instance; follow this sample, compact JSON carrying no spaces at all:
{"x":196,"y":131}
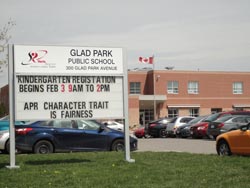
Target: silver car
{"x":4,"y":141}
{"x":226,"y":124}
{"x":175,"y":123}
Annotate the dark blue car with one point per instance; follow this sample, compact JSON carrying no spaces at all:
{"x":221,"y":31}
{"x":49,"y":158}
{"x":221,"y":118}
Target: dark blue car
{"x":69,"y":135}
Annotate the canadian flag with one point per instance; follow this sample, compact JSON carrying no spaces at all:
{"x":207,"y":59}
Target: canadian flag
{"x":148,"y":60}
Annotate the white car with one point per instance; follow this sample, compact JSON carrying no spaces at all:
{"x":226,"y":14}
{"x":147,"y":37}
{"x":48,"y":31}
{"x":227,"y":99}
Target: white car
{"x":175,"y":123}
{"x":4,"y":142}
{"x":114,"y":125}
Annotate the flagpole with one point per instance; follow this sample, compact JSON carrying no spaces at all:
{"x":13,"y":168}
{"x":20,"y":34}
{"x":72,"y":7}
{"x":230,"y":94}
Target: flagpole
{"x":154,"y":88}
{"x":150,"y":60}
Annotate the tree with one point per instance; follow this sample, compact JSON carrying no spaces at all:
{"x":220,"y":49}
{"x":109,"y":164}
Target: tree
{"x":4,"y":40}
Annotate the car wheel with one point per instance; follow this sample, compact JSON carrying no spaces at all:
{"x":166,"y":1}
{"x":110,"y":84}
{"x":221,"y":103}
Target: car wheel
{"x":7,"y":147}
{"x":43,"y":147}
{"x":162,"y":133}
{"x":183,"y":136}
{"x":118,"y":145}
{"x":223,"y":148}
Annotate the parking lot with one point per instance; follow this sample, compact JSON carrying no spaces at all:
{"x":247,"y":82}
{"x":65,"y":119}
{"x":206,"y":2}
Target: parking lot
{"x":200,"y":146}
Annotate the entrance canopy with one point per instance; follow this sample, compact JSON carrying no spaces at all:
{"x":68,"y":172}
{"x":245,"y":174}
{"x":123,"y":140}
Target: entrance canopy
{"x":147,"y":101}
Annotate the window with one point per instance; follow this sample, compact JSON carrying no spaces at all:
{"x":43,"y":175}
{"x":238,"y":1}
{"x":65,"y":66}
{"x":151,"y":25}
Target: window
{"x":237,"y":88}
{"x":135,"y":88}
{"x":173,"y":87}
{"x":238,"y":108}
{"x":193,"y":87}
{"x":173,"y":112}
{"x":216,"y":110}
{"x":58,"y":123}
{"x":194,"y":112}
{"x":243,"y":120}
{"x":88,"y":124}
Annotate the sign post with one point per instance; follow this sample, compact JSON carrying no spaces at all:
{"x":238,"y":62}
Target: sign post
{"x":12,"y":112}
{"x":56,"y":82}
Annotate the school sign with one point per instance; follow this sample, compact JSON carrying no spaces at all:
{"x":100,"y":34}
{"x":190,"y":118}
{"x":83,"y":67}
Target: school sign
{"x":58,"y":82}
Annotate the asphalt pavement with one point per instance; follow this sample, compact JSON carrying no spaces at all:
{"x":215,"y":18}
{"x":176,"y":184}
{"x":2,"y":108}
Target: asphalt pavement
{"x":200,"y":146}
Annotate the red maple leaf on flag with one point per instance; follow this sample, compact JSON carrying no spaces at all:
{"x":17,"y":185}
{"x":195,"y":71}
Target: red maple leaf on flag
{"x":147,"y":60}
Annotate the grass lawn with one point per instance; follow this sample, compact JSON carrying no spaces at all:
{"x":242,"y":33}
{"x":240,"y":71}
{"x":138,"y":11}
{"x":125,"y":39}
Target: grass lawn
{"x":109,"y":169}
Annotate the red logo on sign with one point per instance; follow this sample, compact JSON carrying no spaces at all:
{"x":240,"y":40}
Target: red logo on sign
{"x":36,"y":57}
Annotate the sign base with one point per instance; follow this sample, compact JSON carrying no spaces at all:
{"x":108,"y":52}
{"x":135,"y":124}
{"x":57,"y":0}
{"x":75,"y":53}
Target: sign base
{"x":130,"y":160}
{"x":12,"y":167}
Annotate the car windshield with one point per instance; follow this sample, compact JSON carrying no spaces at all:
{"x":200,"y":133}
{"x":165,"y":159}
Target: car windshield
{"x":196,"y":120}
{"x":213,"y":117}
{"x":223,"y":119}
{"x":75,"y":124}
{"x":173,"y":120}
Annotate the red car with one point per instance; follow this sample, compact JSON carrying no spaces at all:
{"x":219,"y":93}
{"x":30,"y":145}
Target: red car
{"x":140,"y":132}
{"x":199,"y":130}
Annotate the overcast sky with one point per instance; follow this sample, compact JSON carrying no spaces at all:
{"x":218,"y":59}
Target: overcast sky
{"x":187,"y":34}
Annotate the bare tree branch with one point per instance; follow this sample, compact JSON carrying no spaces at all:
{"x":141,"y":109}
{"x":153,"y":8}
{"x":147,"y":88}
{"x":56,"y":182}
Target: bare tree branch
{"x":4,"y":40}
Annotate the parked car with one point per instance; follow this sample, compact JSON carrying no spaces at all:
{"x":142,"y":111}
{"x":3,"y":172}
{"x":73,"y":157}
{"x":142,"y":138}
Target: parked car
{"x":200,"y":130}
{"x":234,"y":126}
{"x":140,"y":132}
{"x":183,"y":131}
{"x":4,"y":141}
{"x":70,"y":135}
{"x":5,"y":123}
{"x":114,"y":125}
{"x":175,"y":123}
{"x":4,"y":133}
{"x":227,"y":123}
{"x":157,"y":128}
{"x":234,"y":142}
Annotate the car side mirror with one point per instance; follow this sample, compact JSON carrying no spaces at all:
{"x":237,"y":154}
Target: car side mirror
{"x":101,"y":128}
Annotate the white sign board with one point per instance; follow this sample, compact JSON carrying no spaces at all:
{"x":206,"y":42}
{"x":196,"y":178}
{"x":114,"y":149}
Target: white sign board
{"x":67,"y":60}
{"x":68,"y":82}
{"x":68,"y":97}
